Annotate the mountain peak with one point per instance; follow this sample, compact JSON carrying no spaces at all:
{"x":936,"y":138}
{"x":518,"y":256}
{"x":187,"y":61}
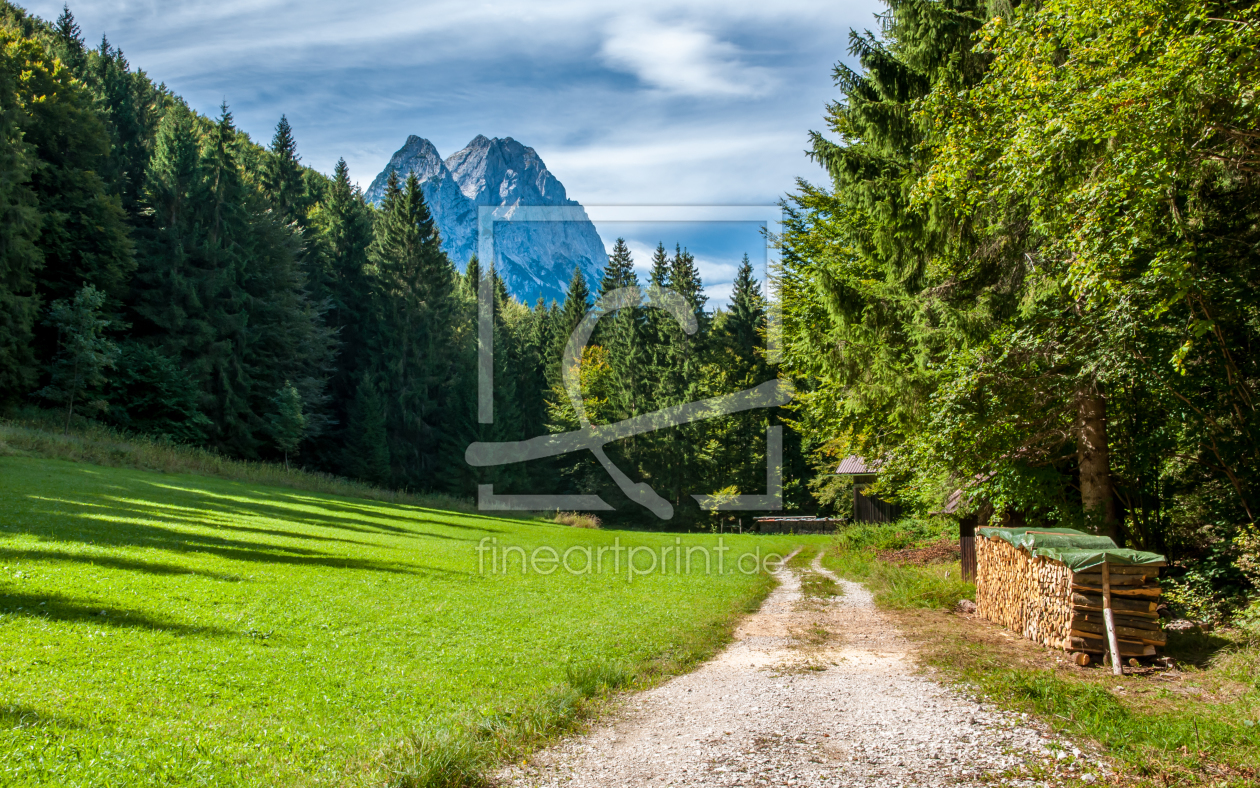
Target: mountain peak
{"x":417,"y":155}
{"x":535,"y":259}
{"x":505,"y":172}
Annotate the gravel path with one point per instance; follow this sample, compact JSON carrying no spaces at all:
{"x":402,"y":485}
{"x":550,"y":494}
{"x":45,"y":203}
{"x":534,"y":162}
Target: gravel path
{"x":810,"y":693}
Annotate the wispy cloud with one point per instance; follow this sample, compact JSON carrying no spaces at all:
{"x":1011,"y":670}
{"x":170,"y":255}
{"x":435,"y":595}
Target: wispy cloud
{"x":678,"y":58}
{"x":675,"y":101}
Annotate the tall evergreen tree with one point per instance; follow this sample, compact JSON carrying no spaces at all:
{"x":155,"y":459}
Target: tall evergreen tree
{"x":738,"y":362}
{"x":618,"y":333}
{"x":288,"y":422}
{"x":69,"y":36}
{"x":620,"y":269}
{"x":577,"y":302}
{"x":415,"y":285}
{"x":747,"y":316}
{"x":283,"y":179}
{"x":83,"y":354}
{"x":366,"y":454}
{"x":341,"y":233}
{"x":84,"y":235}
{"x":131,"y":107}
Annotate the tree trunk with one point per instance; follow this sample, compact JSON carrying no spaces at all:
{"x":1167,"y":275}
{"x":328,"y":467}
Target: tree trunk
{"x":1094,"y":459}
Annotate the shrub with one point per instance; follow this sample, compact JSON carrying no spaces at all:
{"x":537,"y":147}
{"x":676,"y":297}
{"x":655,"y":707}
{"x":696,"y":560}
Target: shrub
{"x":577,"y":519}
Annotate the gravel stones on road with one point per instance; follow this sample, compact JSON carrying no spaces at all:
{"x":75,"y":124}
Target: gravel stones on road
{"x":810,"y":693}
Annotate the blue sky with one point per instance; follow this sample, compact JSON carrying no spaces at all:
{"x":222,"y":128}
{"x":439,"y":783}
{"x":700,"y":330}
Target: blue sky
{"x":655,"y":103}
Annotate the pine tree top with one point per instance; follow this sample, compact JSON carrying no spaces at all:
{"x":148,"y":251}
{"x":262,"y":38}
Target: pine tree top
{"x":620,"y":269}
{"x":282,"y":143}
{"x":67,"y":29}
{"x":684,"y":278}
{"x":660,"y":275}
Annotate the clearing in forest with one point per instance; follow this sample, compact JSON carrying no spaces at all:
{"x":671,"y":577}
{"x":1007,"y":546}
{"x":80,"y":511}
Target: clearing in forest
{"x":161,"y":629}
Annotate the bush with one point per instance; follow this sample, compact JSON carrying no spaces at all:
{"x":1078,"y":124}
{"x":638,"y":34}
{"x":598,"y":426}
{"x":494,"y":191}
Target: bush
{"x":577,"y":519}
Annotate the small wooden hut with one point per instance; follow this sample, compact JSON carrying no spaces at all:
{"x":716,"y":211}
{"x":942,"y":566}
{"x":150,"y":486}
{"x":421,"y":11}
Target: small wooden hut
{"x":867,"y":508}
{"x":1058,"y":586}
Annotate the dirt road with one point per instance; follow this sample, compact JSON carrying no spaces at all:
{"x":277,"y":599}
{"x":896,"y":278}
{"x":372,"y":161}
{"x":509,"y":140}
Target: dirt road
{"x":812,"y":692}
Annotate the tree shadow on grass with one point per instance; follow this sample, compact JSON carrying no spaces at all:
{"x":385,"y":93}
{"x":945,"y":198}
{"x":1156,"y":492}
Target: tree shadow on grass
{"x":180,"y":515}
{"x":111,"y":526}
{"x":50,"y":607}
{"x":13,"y":716}
{"x":361,"y":519}
{"x":367,"y":512}
{"x":113,"y":562}
{"x":1193,"y":647}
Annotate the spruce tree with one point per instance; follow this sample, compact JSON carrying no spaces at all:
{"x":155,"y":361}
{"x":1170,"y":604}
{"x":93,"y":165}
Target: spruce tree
{"x":341,"y":232}
{"x":747,"y":316}
{"x":222,"y":292}
{"x":283,"y":179}
{"x":738,"y":363}
{"x":617,"y":333}
{"x":577,"y":302}
{"x":908,"y":288}
{"x":366,"y":454}
{"x":288,"y":422}
{"x":620,"y":269}
{"x":415,"y":286}
{"x":83,"y":353}
{"x":221,"y":224}
{"x":131,"y":107}
{"x":72,"y":50}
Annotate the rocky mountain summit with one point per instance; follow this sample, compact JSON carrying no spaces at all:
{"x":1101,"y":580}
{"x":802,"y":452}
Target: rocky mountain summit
{"x":534,"y":258}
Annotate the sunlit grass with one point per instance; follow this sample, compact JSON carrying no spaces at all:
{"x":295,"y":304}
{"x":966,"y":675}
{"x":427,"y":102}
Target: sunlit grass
{"x":181,"y":630}
{"x":1202,"y":729}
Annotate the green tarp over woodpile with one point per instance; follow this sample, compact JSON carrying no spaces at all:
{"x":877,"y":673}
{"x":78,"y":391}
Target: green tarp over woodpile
{"x":1077,"y":549}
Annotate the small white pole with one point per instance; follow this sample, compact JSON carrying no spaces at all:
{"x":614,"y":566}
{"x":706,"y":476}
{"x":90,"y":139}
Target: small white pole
{"x":1112,"y":642}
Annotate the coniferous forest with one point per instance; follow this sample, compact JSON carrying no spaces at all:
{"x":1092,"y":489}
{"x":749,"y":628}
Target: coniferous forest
{"x":165,"y":275}
{"x":1032,"y":286}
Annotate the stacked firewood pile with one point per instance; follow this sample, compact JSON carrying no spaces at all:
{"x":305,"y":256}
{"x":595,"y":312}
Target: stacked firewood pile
{"x":1045,"y":601}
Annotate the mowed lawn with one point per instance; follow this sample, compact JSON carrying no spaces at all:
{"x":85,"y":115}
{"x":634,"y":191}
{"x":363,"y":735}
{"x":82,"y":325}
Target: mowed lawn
{"x":180,"y":630}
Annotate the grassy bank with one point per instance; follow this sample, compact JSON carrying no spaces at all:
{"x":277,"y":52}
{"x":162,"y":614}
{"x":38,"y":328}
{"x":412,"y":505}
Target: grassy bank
{"x":163,"y":629}
{"x":1198,"y":725}
{"x":99,"y":445}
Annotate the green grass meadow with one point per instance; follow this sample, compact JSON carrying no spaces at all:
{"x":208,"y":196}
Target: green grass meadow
{"x":160,"y":629}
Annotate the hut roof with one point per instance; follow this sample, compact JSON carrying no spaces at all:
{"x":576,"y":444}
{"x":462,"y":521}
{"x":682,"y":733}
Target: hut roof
{"x":857,"y":465}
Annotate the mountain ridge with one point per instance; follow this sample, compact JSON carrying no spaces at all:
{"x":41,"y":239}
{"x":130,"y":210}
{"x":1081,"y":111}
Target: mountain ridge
{"x":535,"y":259}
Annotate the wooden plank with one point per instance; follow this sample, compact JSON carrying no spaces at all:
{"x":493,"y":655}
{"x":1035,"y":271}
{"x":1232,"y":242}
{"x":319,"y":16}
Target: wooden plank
{"x":1121,"y":619}
{"x":1119,"y":605}
{"x":1122,"y":591}
{"x":1116,"y":667}
{"x":1145,"y":569}
{"x":1099,"y":646}
{"x":1095,"y":579}
{"x":1154,"y":637}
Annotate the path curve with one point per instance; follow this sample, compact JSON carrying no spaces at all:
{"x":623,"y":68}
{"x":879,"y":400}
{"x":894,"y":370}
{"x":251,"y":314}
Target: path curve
{"x":810,"y":693}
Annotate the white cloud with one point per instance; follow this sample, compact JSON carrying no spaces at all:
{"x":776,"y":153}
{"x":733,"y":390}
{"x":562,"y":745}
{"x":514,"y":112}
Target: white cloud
{"x":680,"y":59}
{"x":719,"y":295}
{"x":701,"y":121}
